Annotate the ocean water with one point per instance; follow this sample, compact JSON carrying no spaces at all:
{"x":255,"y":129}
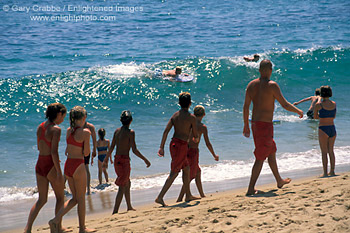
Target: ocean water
{"x":108,"y":66}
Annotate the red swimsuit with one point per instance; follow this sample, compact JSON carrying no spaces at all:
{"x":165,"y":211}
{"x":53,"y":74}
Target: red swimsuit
{"x":122,"y":169}
{"x":44,"y":163}
{"x":72,"y":164}
{"x":178,"y":152}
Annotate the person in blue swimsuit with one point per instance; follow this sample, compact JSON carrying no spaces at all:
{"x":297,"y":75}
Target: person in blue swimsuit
{"x":325,"y":110}
{"x":102,"y":148}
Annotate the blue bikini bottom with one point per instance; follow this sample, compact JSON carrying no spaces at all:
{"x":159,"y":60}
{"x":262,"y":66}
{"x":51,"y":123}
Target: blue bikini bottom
{"x":329,"y":130}
{"x":101,"y":157}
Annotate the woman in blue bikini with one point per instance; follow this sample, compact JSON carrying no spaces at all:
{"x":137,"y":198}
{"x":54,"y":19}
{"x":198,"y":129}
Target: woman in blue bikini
{"x":102,"y":148}
{"x":325,"y":110}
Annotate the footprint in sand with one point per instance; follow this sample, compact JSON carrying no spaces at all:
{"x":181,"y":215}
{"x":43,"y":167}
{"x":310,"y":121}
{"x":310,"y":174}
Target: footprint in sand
{"x":213,"y":209}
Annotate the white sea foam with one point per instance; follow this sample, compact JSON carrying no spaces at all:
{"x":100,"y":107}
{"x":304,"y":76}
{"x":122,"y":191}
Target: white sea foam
{"x":123,"y":70}
{"x":230,"y":169}
{"x":8,"y":194}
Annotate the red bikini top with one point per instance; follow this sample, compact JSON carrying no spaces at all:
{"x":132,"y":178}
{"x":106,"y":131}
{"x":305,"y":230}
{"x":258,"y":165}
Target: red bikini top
{"x":42,"y":135}
{"x":71,"y":140}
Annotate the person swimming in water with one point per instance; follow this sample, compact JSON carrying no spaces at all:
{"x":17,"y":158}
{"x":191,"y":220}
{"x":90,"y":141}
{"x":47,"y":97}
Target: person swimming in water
{"x":255,"y":58}
{"x":174,"y":73}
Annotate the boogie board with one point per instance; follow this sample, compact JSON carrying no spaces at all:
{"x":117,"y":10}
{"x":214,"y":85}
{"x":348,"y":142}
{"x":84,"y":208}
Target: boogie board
{"x":158,"y":73}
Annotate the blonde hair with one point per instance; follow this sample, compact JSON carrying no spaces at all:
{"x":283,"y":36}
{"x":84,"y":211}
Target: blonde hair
{"x":75,"y":114}
{"x":199,"y":111}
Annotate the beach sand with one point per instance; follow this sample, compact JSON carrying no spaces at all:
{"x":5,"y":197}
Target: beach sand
{"x":307,"y":205}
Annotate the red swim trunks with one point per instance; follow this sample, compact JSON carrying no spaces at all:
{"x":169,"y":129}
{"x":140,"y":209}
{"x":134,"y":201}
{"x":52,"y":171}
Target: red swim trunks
{"x":178,"y":152}
{"x":263,"y":139}
{"x":122,"y":169}
{"x":44,"y":165}
{"x":71,"y":165}
{"x":193,"y":160}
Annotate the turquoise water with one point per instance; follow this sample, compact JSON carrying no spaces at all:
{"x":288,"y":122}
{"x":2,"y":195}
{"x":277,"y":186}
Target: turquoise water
{"x":108,"y":67}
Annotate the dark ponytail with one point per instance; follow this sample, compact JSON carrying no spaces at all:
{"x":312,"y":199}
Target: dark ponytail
{"x":102,"y":133}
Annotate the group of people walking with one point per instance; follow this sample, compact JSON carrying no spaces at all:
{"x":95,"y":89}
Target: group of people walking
{"x":188,"y":129}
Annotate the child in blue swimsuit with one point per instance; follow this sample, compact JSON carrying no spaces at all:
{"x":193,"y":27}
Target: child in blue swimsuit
{"x":102,"y":148}
{"x":325,"y":110}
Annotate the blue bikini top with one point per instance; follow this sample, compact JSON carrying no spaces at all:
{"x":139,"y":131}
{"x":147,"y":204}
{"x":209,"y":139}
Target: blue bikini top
{"x":102,"y":148}
{"x":324,"y":113}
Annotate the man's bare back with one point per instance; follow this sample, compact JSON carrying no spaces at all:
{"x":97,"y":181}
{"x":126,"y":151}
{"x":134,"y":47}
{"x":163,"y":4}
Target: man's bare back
{"x":171,"y":73}
{"x":261,"y":91}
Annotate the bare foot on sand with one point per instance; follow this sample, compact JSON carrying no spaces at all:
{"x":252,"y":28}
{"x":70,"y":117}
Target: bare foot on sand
{"x":283,"y":182}
{"x":53,"y":227}
{"x":160,"y":201}
{"x":131,"y":209}
{"x":179,"y":200}
{"x":64,"y":230}
{"x":332,"y":174}
{"x":87,"y":230}
{"x":191,"y":198}
{"x":255,"y":192}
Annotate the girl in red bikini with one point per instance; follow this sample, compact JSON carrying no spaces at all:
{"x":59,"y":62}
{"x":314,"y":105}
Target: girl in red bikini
{"x":78,"y":146}
{"x":325,"y":110}
{"x":48,"y":168}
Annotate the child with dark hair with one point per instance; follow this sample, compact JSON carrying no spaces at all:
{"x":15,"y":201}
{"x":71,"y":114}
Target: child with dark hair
{"x":184,"y":123}
{"x":102,"y":148}
{"x":78,"y":147}
{"x":325,"y":110}
{"x":48,"y":168}
{"x":124,"y":139}
{"x":314,"y":99}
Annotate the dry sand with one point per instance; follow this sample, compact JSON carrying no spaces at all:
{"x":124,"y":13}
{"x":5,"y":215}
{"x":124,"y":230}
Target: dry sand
{"x":306,"y":205}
